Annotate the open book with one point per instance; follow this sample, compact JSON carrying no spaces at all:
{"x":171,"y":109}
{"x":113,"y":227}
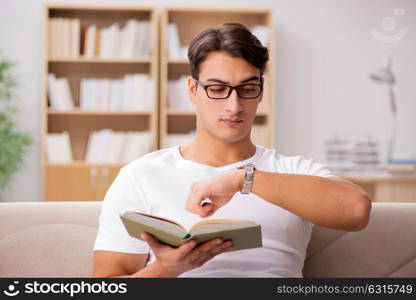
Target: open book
{"x":244,"y":234}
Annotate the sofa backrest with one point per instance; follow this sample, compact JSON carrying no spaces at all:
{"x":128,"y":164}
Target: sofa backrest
{"x":55,"y":239}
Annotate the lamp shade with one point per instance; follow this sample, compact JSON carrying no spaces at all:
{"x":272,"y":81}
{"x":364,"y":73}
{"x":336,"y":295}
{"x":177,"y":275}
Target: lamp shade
{"x":383,"y":73}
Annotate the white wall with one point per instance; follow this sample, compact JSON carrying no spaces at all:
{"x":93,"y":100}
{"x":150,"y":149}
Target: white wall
{"x":324,"y":53}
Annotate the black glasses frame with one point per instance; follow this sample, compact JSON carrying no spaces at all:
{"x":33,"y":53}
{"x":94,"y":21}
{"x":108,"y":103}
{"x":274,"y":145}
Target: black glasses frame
{"x":205,"y":87}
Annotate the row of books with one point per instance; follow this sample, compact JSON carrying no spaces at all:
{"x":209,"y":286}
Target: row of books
{"x":64,"y":37}
{"x":131,"y":92}
{"x":132,"y":40}
{"x":114,"y":41}
{"x":176,"y":50}
{"x":107,"y":146}
{"x":104,"y":146}
{"x":178,"y":96}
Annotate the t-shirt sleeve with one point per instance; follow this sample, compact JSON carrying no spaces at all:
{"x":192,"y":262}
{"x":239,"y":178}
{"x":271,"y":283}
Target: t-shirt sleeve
{"x":123,"y":195}
{"x":304,"y":166}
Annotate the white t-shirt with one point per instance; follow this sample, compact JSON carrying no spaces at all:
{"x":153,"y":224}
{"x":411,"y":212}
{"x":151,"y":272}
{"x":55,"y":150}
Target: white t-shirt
{"x":159,"y":183}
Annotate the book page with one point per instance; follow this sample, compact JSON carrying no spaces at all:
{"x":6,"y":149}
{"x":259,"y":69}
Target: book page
{"x":161,"y":219}
{"x":219,"y":225}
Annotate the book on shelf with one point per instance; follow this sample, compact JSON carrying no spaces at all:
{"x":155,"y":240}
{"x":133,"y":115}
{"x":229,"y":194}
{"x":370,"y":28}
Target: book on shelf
{"x":107,"y":146}
{"x":115,"y":41}
{"x":75,"y":39}
{"x":174,"y":48}
{"x":58,"y":148}
{"x":243,"y":233}
{"x":109,"y":41}
{"x":116,"y":147}
{"x":177,"y":95}
{"x":64,"y":37}
{"x":128,"y":35}
{"x":103,"y":145}
{"x":90,"y":41}
{"x":91,"y":149}
{"x":59,"y":93}
{"x":133,"y":92}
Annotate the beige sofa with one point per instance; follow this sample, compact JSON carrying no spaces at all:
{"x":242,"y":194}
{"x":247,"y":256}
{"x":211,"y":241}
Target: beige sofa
{"x":54,"y":239}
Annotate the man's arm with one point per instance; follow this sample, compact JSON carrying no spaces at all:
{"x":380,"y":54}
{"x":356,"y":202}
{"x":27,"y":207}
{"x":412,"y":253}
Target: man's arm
{"x":329,"y":202}
{"x":117,"y":264}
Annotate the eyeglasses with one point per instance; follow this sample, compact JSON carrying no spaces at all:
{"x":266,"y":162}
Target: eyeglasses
{"x":223,"y":91}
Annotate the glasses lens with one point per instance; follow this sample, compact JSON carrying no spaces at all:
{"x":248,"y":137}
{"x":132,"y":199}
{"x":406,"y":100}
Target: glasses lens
{"x":218,"y":91}
{"x":249,"y":91}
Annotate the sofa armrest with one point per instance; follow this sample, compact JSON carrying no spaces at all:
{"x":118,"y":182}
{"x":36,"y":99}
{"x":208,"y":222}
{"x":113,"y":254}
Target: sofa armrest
{"x":385,"y":248}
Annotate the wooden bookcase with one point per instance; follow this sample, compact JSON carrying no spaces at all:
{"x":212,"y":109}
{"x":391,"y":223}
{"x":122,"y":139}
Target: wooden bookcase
{"x":80,"y":181}
{"x":190,"y":21}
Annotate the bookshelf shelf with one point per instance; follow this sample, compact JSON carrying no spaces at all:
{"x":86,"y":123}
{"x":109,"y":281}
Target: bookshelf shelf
{"x":79,"y":112}
{"x":175,"y":118}
{"x":112,"y":87}
{"x":97,"y":60}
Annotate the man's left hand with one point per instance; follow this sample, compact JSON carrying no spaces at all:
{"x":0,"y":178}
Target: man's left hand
{"x":219,"y":190}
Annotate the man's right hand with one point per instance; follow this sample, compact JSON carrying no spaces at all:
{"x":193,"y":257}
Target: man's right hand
{"x":174,"y":261}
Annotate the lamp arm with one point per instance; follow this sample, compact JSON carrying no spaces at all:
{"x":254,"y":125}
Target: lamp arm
{"x":394,"y":123}
{"x":392,"y":100}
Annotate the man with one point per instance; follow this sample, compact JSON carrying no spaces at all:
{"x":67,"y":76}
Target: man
{"x":285,"y":195}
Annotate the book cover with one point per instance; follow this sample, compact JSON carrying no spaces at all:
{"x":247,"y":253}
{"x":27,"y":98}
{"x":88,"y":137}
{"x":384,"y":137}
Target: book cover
{"x":243,"y":233}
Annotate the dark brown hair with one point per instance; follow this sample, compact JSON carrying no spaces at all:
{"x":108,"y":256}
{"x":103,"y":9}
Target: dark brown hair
{"x":232,"y":38}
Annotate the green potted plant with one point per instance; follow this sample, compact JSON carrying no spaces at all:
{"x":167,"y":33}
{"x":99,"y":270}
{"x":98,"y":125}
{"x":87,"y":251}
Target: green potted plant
{"x":13,"y":144}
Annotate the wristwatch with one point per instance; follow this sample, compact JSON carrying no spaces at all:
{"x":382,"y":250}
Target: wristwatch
{"x":248,"y":178}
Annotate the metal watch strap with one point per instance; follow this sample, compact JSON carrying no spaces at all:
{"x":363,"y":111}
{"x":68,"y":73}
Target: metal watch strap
{"x":248,"y":178}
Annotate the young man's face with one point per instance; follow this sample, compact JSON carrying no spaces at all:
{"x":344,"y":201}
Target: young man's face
{"x":228,"y":119}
